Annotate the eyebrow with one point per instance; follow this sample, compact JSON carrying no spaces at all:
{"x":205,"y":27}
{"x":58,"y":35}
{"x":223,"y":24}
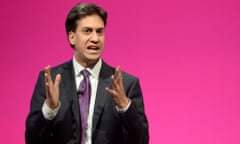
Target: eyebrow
{"x":100,"y":29}
{"x":87,"y":27}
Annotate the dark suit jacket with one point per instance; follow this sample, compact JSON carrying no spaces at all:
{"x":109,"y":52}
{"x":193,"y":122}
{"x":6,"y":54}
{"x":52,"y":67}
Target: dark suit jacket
{"x":109,"y":126}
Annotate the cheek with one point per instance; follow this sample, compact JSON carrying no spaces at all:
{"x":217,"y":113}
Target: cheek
{"x":81,"y":42}
{"x":102,"y":40}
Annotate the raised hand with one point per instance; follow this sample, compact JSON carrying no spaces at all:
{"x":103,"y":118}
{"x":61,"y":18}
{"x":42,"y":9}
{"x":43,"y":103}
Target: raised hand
{"x":52,"y":88}
{"x":117,"y":91}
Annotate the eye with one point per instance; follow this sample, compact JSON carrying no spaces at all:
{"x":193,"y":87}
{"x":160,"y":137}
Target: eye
{"x":100,"y":31}
{"x":87,"y":30}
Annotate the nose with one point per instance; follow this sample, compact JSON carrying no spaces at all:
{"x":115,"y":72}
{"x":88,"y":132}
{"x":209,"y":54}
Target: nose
{"x":95,"y":37}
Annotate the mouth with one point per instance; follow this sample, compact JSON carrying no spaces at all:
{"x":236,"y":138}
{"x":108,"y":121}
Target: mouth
{"x":93,"y":48}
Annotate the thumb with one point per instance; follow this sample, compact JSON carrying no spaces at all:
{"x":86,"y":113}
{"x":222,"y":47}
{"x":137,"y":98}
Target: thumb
{"x":57,"y":80}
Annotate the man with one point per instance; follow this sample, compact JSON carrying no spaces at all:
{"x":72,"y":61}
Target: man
{"x":85,"y":100}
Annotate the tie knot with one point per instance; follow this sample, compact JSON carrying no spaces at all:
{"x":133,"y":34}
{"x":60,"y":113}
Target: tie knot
{"x":85,"y":73}
{"x":84,"y":84}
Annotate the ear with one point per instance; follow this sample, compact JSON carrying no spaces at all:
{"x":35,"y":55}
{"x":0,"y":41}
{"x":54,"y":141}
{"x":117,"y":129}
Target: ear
{"x":71,"y":37}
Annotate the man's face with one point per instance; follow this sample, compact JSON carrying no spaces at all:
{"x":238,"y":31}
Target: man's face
{"x":88,"y":40}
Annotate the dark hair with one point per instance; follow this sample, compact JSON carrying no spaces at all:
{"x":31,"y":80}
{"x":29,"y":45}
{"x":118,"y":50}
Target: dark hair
{"x":82,"y":10}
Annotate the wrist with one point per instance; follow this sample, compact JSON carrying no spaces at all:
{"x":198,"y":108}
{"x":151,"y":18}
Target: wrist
{"x":124,"y":109}
{"x":52,"y":105}
{"x":123,"y":104}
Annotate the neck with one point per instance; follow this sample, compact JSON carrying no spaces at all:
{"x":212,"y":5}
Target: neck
{"x":86,"y":63}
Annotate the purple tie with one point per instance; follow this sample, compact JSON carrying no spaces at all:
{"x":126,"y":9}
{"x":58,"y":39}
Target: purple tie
{"x":84,"y":97}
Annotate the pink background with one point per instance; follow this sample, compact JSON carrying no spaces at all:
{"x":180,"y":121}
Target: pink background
{"x":185,"y":52}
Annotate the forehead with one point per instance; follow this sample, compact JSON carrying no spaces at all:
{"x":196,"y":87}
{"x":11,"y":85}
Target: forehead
{"x":92,"y":21}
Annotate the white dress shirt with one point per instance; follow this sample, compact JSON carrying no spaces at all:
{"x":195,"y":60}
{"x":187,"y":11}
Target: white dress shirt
{"x":93,"y":77}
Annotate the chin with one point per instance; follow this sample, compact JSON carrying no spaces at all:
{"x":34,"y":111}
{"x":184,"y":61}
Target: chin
{"x":93,"y":59}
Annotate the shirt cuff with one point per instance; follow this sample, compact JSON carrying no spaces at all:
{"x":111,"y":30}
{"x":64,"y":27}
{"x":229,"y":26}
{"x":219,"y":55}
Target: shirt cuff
{"x":123,"y":109}
{"x":49,"y":113}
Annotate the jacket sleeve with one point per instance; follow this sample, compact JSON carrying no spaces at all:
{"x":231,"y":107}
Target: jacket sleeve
{"x":37,"y":127}
{"x":134,"y":119}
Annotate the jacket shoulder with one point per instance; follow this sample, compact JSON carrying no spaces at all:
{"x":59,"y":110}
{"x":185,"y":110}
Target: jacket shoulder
{"x":111,"y":70}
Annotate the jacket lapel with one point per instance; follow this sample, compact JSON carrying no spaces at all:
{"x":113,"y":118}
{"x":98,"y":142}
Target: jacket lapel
{"x":102,"y":95}
{"x":69,"y":97}
{"x":69,"y":94}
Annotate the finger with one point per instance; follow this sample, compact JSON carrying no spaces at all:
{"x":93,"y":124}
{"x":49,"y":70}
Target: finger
{"x":45,"y":78}
{"x":46,"y":85}
{"x":120,"y":78}
{"x":48,"y":75}
{"x":57,"y":80}
{"x":109,"y":91}
{"x":114,"y":82}
{"x":118,"y":75}
{"x":117,"y":72}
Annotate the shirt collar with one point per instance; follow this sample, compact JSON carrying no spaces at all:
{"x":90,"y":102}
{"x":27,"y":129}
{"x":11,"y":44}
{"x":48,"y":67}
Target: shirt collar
{"x":93,"y":71}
